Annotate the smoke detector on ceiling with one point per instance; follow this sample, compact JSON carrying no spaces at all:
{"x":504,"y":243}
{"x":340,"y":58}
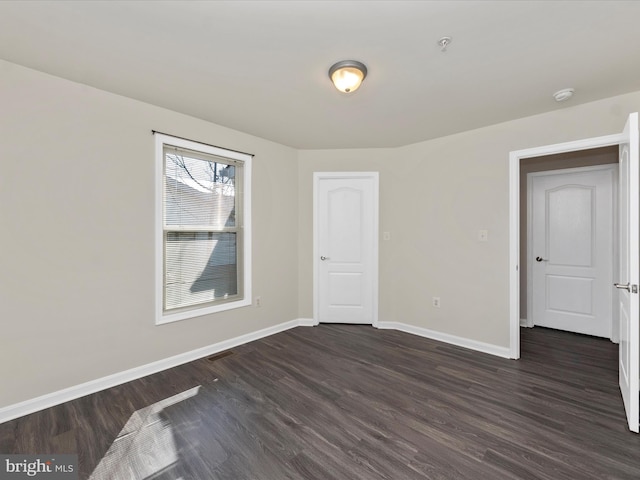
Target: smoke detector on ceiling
{"x":444,"y":42}
{"x":564,"y":94}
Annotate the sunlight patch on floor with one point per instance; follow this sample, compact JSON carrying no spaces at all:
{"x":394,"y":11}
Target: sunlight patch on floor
{"x":145,"y":446}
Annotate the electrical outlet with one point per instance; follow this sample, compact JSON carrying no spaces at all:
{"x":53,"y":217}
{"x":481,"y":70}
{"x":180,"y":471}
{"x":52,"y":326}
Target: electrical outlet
{"x":483,"y":235}
{"x":436,"y":302}
{"x":386,"y":235}
{"x":258,"y":302}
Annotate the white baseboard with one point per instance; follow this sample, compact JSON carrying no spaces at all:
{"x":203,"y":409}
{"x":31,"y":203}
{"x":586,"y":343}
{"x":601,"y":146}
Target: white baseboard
{"x":55,"y":398}
{"x":11,"y":412}
{"x":523,"y":322}
{"x":307,"y":322}
{"x":446,"y":338}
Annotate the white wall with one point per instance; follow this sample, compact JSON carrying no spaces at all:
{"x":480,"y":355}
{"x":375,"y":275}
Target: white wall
{"x":77,"y":213}
{"x":435,"y":196}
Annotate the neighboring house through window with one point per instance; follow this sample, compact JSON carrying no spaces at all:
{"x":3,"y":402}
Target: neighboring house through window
{"x":203,"y":234}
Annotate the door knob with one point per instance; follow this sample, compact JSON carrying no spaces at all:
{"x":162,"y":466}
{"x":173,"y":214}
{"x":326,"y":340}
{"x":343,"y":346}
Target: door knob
{"x":540,"y":259}
{"x":324,"y":258}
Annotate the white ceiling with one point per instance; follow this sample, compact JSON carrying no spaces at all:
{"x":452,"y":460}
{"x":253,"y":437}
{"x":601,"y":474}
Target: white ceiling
{"x":261,"y":66}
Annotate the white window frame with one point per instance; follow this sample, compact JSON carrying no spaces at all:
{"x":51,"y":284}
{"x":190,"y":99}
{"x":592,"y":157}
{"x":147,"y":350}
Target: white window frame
{"x":162,"y":317}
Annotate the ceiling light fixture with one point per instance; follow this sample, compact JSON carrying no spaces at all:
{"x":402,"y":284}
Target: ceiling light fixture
{"x":564,"y":94}
{"x":347,"y":75}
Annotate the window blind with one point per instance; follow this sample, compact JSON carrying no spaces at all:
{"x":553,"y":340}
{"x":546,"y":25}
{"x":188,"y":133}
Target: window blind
{"x":202,"y":238}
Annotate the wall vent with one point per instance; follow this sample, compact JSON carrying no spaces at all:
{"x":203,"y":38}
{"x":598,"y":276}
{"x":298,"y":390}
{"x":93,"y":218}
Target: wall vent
{"x":220,"y":355}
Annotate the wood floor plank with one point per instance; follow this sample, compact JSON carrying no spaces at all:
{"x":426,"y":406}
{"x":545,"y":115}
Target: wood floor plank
{"x":352,"y":402}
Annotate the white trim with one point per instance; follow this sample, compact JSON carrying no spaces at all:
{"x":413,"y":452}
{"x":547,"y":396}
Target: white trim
{"x":376,"y":246}
{"x":26,"y":407}
{"x":307,"y":322}
{"x":317,"y":176}
{"x":20,"y":409}
{"x":524,"y":323}
{"x":514,"y":220}
{"x":575,"y":146}
{"x":491,"y":349}
{"x":514,"y":255}
{"x":160,"y":316}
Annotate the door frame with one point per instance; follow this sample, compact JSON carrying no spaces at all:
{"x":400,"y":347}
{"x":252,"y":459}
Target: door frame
{"x":317,"y":177}
{"x":514,"y":219}
{"x":613,"y":167}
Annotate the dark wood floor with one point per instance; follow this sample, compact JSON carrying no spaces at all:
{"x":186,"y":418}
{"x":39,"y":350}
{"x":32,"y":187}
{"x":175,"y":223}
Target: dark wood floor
{"x":352,"y":402}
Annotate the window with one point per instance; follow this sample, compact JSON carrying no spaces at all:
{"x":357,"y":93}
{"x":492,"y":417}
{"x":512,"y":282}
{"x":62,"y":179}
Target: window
{"x":203,"y":229}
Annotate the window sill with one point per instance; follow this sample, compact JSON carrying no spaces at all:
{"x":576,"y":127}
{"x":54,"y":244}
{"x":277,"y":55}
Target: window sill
{"x":163,"y":318}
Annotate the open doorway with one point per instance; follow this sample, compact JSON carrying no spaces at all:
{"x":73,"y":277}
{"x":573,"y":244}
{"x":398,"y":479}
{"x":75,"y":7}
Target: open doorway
{"x":628,"y":231}
{"x":515,"y":159}
{"x":569,"y":293}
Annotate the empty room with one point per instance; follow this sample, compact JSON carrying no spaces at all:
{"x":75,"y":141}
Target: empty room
{"x":322,"y":240}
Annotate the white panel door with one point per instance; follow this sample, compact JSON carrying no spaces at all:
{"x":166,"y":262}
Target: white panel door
{"x":629,"y":274}
{"x":346,"y":247}
{"x":572,"y":250}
